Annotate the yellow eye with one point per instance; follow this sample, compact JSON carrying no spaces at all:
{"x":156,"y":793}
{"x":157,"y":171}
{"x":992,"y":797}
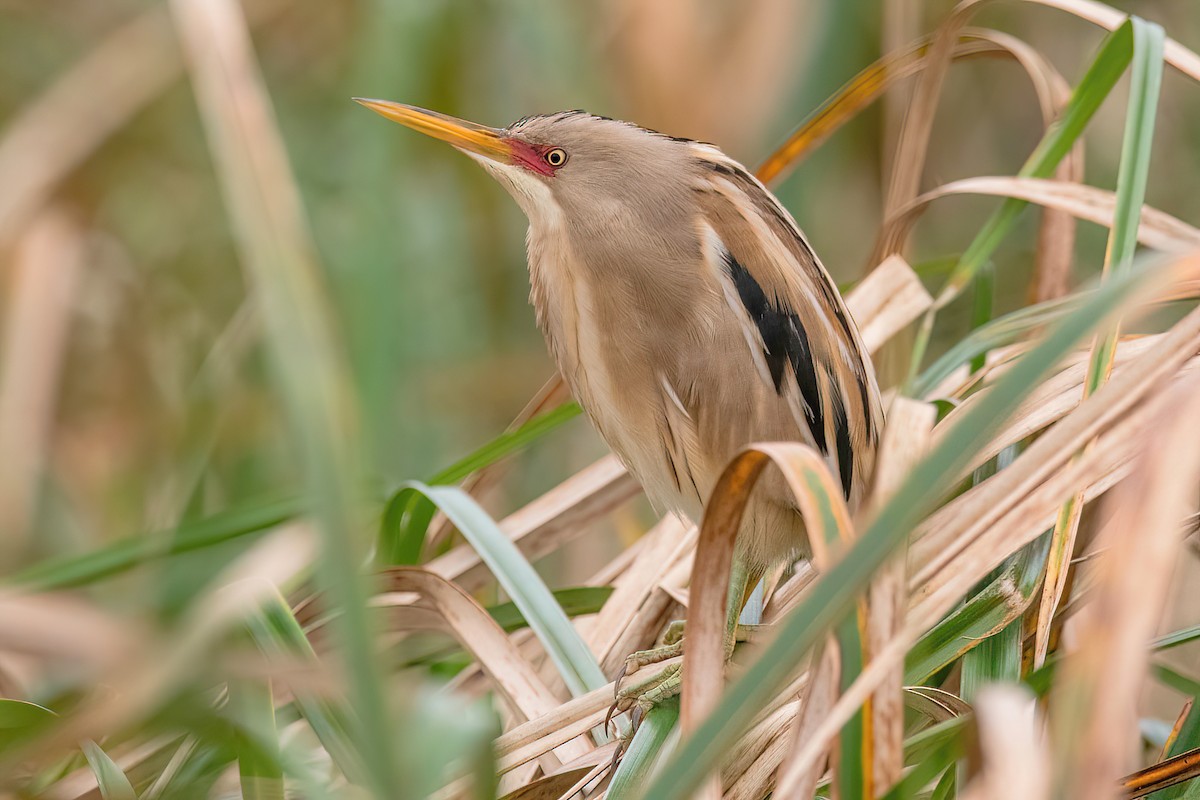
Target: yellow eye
{"x":556,"y":157}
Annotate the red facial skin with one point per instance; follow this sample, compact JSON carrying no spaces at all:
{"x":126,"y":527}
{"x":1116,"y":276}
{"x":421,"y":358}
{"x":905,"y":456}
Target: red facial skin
{"x":531,"y":157}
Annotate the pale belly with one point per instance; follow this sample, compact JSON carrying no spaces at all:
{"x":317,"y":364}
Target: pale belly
{"x":676,"y":423}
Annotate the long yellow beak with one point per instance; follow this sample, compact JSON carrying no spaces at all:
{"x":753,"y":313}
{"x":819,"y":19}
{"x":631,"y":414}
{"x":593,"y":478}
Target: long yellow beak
{"x":485,"y":141}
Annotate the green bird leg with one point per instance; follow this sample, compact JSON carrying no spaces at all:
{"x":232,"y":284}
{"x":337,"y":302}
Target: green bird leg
{"x":638,"y":697}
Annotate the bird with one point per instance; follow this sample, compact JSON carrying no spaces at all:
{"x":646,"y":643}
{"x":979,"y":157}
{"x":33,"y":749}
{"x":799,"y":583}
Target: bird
{"x":688,"y":315}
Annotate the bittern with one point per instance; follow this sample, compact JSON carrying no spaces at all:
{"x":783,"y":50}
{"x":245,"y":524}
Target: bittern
{"x":687,"y":313}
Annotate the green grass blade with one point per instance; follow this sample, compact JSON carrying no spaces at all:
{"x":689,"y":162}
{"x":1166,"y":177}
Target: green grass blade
{"x":1004,"y":330}
{"x":575,"y":601}
{"x":649,"y":746}
{"x":21,"y":721}
{"x":1110,"y":64}
{"x":114,"y":785}
{"x":308,"y":364}
{"x":407,"y":513}
{"x":984,"y":306}
{"x":276,"y":631}
{"x":1106,"y":69}
{"x":516,"y":575}
{"x":1176,"y":638}
{"x":1132,"y":175}
{"x":1168,"y":676}
{"x":986,"y":613}
{"x":832,"y":596}
{"x":72,"y":571}
{"x":1188,"y":738}
{"x":257,"y":740}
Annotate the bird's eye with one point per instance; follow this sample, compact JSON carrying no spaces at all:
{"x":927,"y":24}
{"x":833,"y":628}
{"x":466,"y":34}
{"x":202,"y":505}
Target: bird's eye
{"x":556,"y":157}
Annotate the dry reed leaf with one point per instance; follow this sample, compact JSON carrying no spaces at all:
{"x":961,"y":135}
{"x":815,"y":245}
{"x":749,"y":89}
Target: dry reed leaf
{"x":937,"y":705}
{"x":913,"y":146}
{"x":1034,"y":485}
{"x":799,"y":778}
{"x":1157,"y":230}
{"x":886,"y":301}
{"x":906,"y":439}
{"x":1055,"y":249}
{"x":885,"y":74}
{"x":665,"y":544}
{"x":35,"y":336}
{"x":979,"y":507}
{"x":750,"y":773}
{"x":1166,"y":773}
{"x":1013,"y":762}
{"x":510,"y":674}
{"x":1054,"y":398}
{"x":573,"y":718}
{"x":801,"y":467}
{"x":1095,"y":725}
{"x":45,"y":142}
{"x":1175,"y":54}
{"x":1177,"y":727}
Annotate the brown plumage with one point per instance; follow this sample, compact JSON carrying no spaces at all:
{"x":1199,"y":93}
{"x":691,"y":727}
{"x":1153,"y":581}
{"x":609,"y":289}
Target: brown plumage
{"x":684,"y":308}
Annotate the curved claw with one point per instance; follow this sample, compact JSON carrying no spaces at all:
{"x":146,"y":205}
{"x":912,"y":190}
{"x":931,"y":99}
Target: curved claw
{"x":620,"y":677}
{"x":612,"y":710}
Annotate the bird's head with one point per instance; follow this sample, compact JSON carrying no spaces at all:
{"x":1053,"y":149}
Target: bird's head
{"x":570,"y":163}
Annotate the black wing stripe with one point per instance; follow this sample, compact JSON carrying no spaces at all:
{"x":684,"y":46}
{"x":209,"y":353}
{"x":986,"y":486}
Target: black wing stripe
{"x":841,"y":429}
{"x":768,"y":205}
{"x":784,"y":342}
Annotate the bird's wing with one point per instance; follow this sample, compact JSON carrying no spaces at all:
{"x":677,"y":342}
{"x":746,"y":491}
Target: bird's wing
{"x":798,"y":329}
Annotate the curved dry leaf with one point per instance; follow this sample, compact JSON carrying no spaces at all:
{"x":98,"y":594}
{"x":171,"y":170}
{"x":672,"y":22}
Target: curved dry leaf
{"x":1158,"y":229}
{"x":805,"y":473}
{"x":884,"y":302}
{"x":870,"y":84}
{"x":1175,"y":54}
{"x":513,"y":677}
{"x":937,"y":705}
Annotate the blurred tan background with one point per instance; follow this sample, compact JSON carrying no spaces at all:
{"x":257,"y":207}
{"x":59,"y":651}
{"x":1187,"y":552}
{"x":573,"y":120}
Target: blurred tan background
{"x":145,"y":390}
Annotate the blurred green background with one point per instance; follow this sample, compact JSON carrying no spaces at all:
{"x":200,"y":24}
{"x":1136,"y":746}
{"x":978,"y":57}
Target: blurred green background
{"x":164,"y":408}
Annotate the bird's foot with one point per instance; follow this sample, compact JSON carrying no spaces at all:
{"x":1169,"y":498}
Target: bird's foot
{"x":639,"y":697}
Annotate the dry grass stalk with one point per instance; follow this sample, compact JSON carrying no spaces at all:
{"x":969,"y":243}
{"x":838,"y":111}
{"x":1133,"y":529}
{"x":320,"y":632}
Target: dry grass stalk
{"x":1158,"y":230}
{"x":799,"y":778}
{"x":1095,"y":720}
{"x":905,"y":441}
{"x":35,"y":338}
{"x":510,"y":674}
{"x":135,"y":64}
